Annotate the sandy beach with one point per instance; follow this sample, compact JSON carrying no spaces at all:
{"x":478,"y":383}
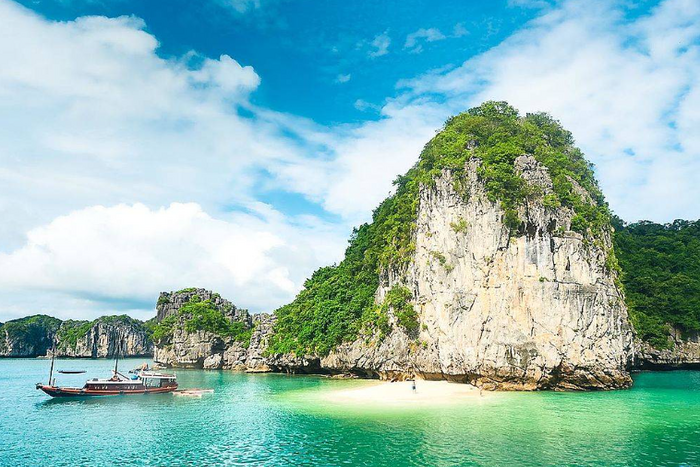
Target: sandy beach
{"x":401,"y":393}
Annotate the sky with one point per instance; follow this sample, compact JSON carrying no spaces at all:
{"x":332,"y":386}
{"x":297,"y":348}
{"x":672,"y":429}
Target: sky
{"x":153,"y":145}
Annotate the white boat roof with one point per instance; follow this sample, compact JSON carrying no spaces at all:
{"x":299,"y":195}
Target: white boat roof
{"x":153,"y":374}
{"x":124,"y":380}
{"x":107,"y":381}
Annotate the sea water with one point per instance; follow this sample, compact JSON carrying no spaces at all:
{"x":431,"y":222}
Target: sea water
{"x":279,"y":420}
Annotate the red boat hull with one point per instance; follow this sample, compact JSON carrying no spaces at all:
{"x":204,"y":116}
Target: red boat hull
{"x":55,"y":391}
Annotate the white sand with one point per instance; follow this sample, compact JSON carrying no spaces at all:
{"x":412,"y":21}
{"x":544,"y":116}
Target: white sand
{"x":401,"y":393}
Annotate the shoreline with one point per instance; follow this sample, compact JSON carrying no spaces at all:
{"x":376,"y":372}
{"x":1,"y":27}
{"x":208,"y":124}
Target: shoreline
{"x":401,"y":393}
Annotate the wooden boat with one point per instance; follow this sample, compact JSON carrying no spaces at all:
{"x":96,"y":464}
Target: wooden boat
{"x":146,"y":382}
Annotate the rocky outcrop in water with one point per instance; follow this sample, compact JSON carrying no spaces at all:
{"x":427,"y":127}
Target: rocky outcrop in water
{"x":533,"y":311}
{"x":28,"y":337}
{"x":105,"y":337}
{"x":684,"y":353}
{"x":36,"y":336}
{"x":198,"y":347}
{"x":492,"y":263}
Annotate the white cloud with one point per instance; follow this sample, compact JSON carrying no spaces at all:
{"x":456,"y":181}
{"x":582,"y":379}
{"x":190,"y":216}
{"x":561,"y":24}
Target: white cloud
{"x":91,"y":115}
{"x":365,"y":159}
{"x":380,"y":45}
{"x":343,"y":78}
{"x":415,"y":39}
{"x":226,"y":74}
{"x":126,"y":252}
{"x":363,"y":106}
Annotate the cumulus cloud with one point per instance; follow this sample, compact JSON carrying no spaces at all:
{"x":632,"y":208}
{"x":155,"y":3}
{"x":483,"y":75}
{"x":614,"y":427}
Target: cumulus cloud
{"x":92,"y":115}
{"x":415,"y":39}
{"x":226,"y":74}
{"x":122,"y":254}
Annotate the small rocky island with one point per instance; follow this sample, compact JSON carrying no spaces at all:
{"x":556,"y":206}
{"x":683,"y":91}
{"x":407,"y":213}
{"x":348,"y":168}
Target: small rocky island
{"x":105,"y":337}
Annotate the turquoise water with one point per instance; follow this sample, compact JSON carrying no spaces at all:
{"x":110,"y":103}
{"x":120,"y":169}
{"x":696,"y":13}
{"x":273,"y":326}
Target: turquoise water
{"x":278,"y":420}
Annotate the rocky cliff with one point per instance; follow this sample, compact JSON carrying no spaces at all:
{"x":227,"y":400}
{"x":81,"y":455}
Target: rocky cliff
{"x":528,"y":311}
{"x":36,"y":336}
{"x":492,"y":263}
{"x":28,"y":337}
{"x":199,"y":329}
{"x":105,"y":337}
{"x":683,"y":353}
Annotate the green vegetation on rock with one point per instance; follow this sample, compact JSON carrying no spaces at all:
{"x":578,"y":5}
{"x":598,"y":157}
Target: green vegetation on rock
{"x":459,"y":226}
{"x":399,"y":298}
{"x":496,"y":134}
{"x":335,"y":299}
{"x":32,"y":329}
{"x":200,"y":315}
{"x":337,"y":302}
{"x":661,"y":276}
{"x":71,"y":331}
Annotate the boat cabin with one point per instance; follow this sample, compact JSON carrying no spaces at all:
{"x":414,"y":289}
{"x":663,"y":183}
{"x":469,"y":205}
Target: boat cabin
{"x":152,"y":379}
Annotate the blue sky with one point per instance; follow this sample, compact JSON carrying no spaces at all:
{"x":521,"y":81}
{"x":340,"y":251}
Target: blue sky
{"x":301,"y":48}
{"x":233,"y":144}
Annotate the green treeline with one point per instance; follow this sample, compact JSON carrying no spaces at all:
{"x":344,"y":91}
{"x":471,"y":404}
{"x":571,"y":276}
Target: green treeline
{"x":661,"y":274}
{"x":31,"y":329}
{"x":337,"y":302}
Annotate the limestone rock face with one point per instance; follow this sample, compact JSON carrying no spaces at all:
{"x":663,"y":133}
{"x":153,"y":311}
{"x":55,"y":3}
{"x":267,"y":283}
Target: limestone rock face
{"x":685,"y":354}
{"x":192,"y":350}
{"x":36,"y":336}
{"x":108,"y":338}
{"x":534,"y":311}
{"x":28,"y":337}
{"x":202,"y":349}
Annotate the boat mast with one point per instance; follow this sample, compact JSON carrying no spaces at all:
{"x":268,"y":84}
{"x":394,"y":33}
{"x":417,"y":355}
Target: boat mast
{"x":53,"y":357}
{"x":116,"y":360}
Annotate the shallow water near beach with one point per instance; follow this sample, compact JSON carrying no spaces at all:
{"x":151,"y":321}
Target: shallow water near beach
{"x":281,"y":420}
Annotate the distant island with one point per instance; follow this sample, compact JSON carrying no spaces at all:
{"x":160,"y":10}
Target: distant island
{"x":496,"y":262}
{"x":105,"y":337}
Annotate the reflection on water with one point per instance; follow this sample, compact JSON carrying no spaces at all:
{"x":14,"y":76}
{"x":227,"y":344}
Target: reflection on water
{"x":280,"y":420}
